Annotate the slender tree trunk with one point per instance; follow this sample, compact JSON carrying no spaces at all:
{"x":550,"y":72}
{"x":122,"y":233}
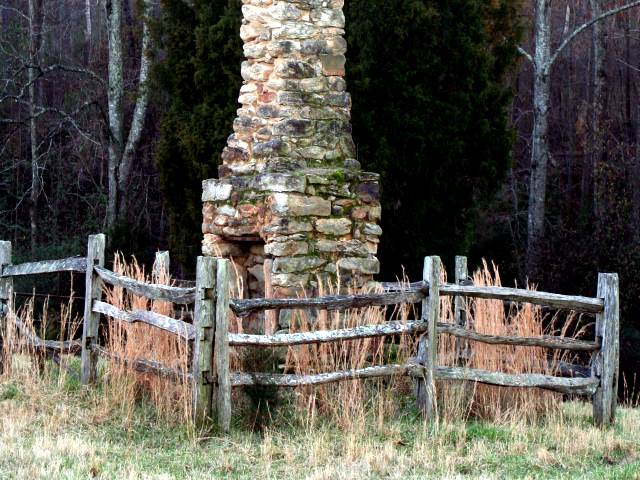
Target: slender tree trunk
{"x":635,"y":177}
{"x":35,"y":169}
{"x":540,"y":140}
{"x":87,"y":20}
{"x":633,"y":135}
{"x":543,"y":59}
{"x":115,"y":97}
{"x":139,"y":115}
{"x":628,"y":74}
{"x":35,"y":9}
{"x":600,"y":100}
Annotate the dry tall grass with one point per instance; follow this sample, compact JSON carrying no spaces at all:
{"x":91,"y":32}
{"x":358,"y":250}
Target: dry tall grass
{"x":124,"y":385}
{"x":22,"y":361}
{"x":492,"y":317}
{"x":349,"y":403}
{"x":631,"y":391}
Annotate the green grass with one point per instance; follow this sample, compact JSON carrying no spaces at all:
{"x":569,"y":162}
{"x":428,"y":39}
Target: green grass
{"x":54,"y":428}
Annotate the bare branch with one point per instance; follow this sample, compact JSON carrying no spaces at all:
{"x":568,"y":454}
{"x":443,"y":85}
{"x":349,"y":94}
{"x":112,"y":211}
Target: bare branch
{"x":21,"y":93}
{"x":68,"y":117}
{"x":42,"y":71}
{"x":567,"y":20}
{"x":16,"y":11}
{"x":526,"y":54}
{"x":70,"y":69}
{"x":584,"y":26}
{"x":628,"y":65}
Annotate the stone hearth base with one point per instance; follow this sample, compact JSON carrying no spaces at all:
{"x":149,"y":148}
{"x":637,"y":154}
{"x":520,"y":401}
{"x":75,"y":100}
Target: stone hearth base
{"x":312,"y":224}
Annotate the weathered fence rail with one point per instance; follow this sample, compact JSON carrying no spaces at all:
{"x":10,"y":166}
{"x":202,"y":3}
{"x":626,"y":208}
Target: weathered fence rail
{"x":326,"y":336}
{"x":35,"y":342}
{"x":74,"y":264}
{"x":545,"y":341}
{"x":162,"y":322}
{"x":575,"y":386}
{"x":148,"y":290}
{"x":143,"y":366}
{"x":210,"y":374}
{"x":400,"y":328}
{"x":243,"y":308}
{"x":416,"y":292}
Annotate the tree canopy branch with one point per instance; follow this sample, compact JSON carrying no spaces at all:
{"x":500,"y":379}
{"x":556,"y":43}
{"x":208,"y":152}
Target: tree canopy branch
{"x":584,"y":26}
{"x":16,"y":11}
{"x":524,"y":53}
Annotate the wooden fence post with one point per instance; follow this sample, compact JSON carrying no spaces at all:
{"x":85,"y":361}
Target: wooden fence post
{"x":428,"y":344}
{"x":270,"y":316}
{"x":221,"y":347}
{"x":204,"y":321}
{"x":93,"y":292}
{"x":605,"y":364}
{"x":6,"y":296}
{"x":461,"y":275}
{"x":460,"y":309}
{"x":161,"y":265}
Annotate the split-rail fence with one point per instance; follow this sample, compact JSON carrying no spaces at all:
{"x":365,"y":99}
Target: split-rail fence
{"x":211,"y":340}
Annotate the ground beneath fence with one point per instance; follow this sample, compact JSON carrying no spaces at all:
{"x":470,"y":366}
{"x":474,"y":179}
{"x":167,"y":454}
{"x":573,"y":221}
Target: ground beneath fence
{"x":59,"y":430}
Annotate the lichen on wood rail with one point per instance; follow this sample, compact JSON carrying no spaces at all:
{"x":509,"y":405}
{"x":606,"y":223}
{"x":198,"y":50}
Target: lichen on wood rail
{"x":162,"y":322}
{"x":149,"y":290}
{"x":73,"y":264}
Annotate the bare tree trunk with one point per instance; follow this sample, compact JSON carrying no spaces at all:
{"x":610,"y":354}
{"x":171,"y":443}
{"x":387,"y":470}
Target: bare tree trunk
{"x":115,"y":97}
{"x":600,"y":97}
{"x":35,"y":173}
{"x":635,"y":178}
{"x":543,"y":60}
{"x":139,"y":114}
{"x":540,"y":140}
{"x":35,"y":10}
{"x":628,"y":75}
{"x":87,"y":19}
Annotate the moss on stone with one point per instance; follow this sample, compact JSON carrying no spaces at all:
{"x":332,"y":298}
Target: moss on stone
{"x":338,"y":176}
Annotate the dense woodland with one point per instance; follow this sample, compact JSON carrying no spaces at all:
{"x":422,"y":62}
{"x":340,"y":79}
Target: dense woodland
{"x":503,"y":129}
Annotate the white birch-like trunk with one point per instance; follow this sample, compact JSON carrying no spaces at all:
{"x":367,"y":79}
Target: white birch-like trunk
{"x":542,"y":60}
{"x":87,"y":20}
{"x":115,"y":97}
{"x":540,"y":140}
{"x":139,"y":114}
{"x":35,"y":10}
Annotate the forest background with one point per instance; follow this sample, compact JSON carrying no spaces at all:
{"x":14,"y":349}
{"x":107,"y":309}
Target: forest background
{"x":503,"y":129}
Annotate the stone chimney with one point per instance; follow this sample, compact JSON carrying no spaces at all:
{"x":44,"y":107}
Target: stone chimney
{"x":291,"y":201}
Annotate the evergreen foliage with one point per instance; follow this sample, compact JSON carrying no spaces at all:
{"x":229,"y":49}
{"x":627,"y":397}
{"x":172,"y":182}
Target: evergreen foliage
{"x":201,"y":77}
{"x":429,"y":114}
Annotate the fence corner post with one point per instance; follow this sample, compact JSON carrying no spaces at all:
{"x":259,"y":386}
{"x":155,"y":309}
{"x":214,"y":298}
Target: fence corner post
{"x":605,"y":364}
{"x":6,"y":296}
{"x":221,"y":347}
{"x":93,"y":292}
{"x":428,"y":344}
{"x":204,"y":321}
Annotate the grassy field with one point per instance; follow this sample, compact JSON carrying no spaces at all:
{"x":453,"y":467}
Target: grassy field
{"x":133,"y":426}
{"x":53,"y":428}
